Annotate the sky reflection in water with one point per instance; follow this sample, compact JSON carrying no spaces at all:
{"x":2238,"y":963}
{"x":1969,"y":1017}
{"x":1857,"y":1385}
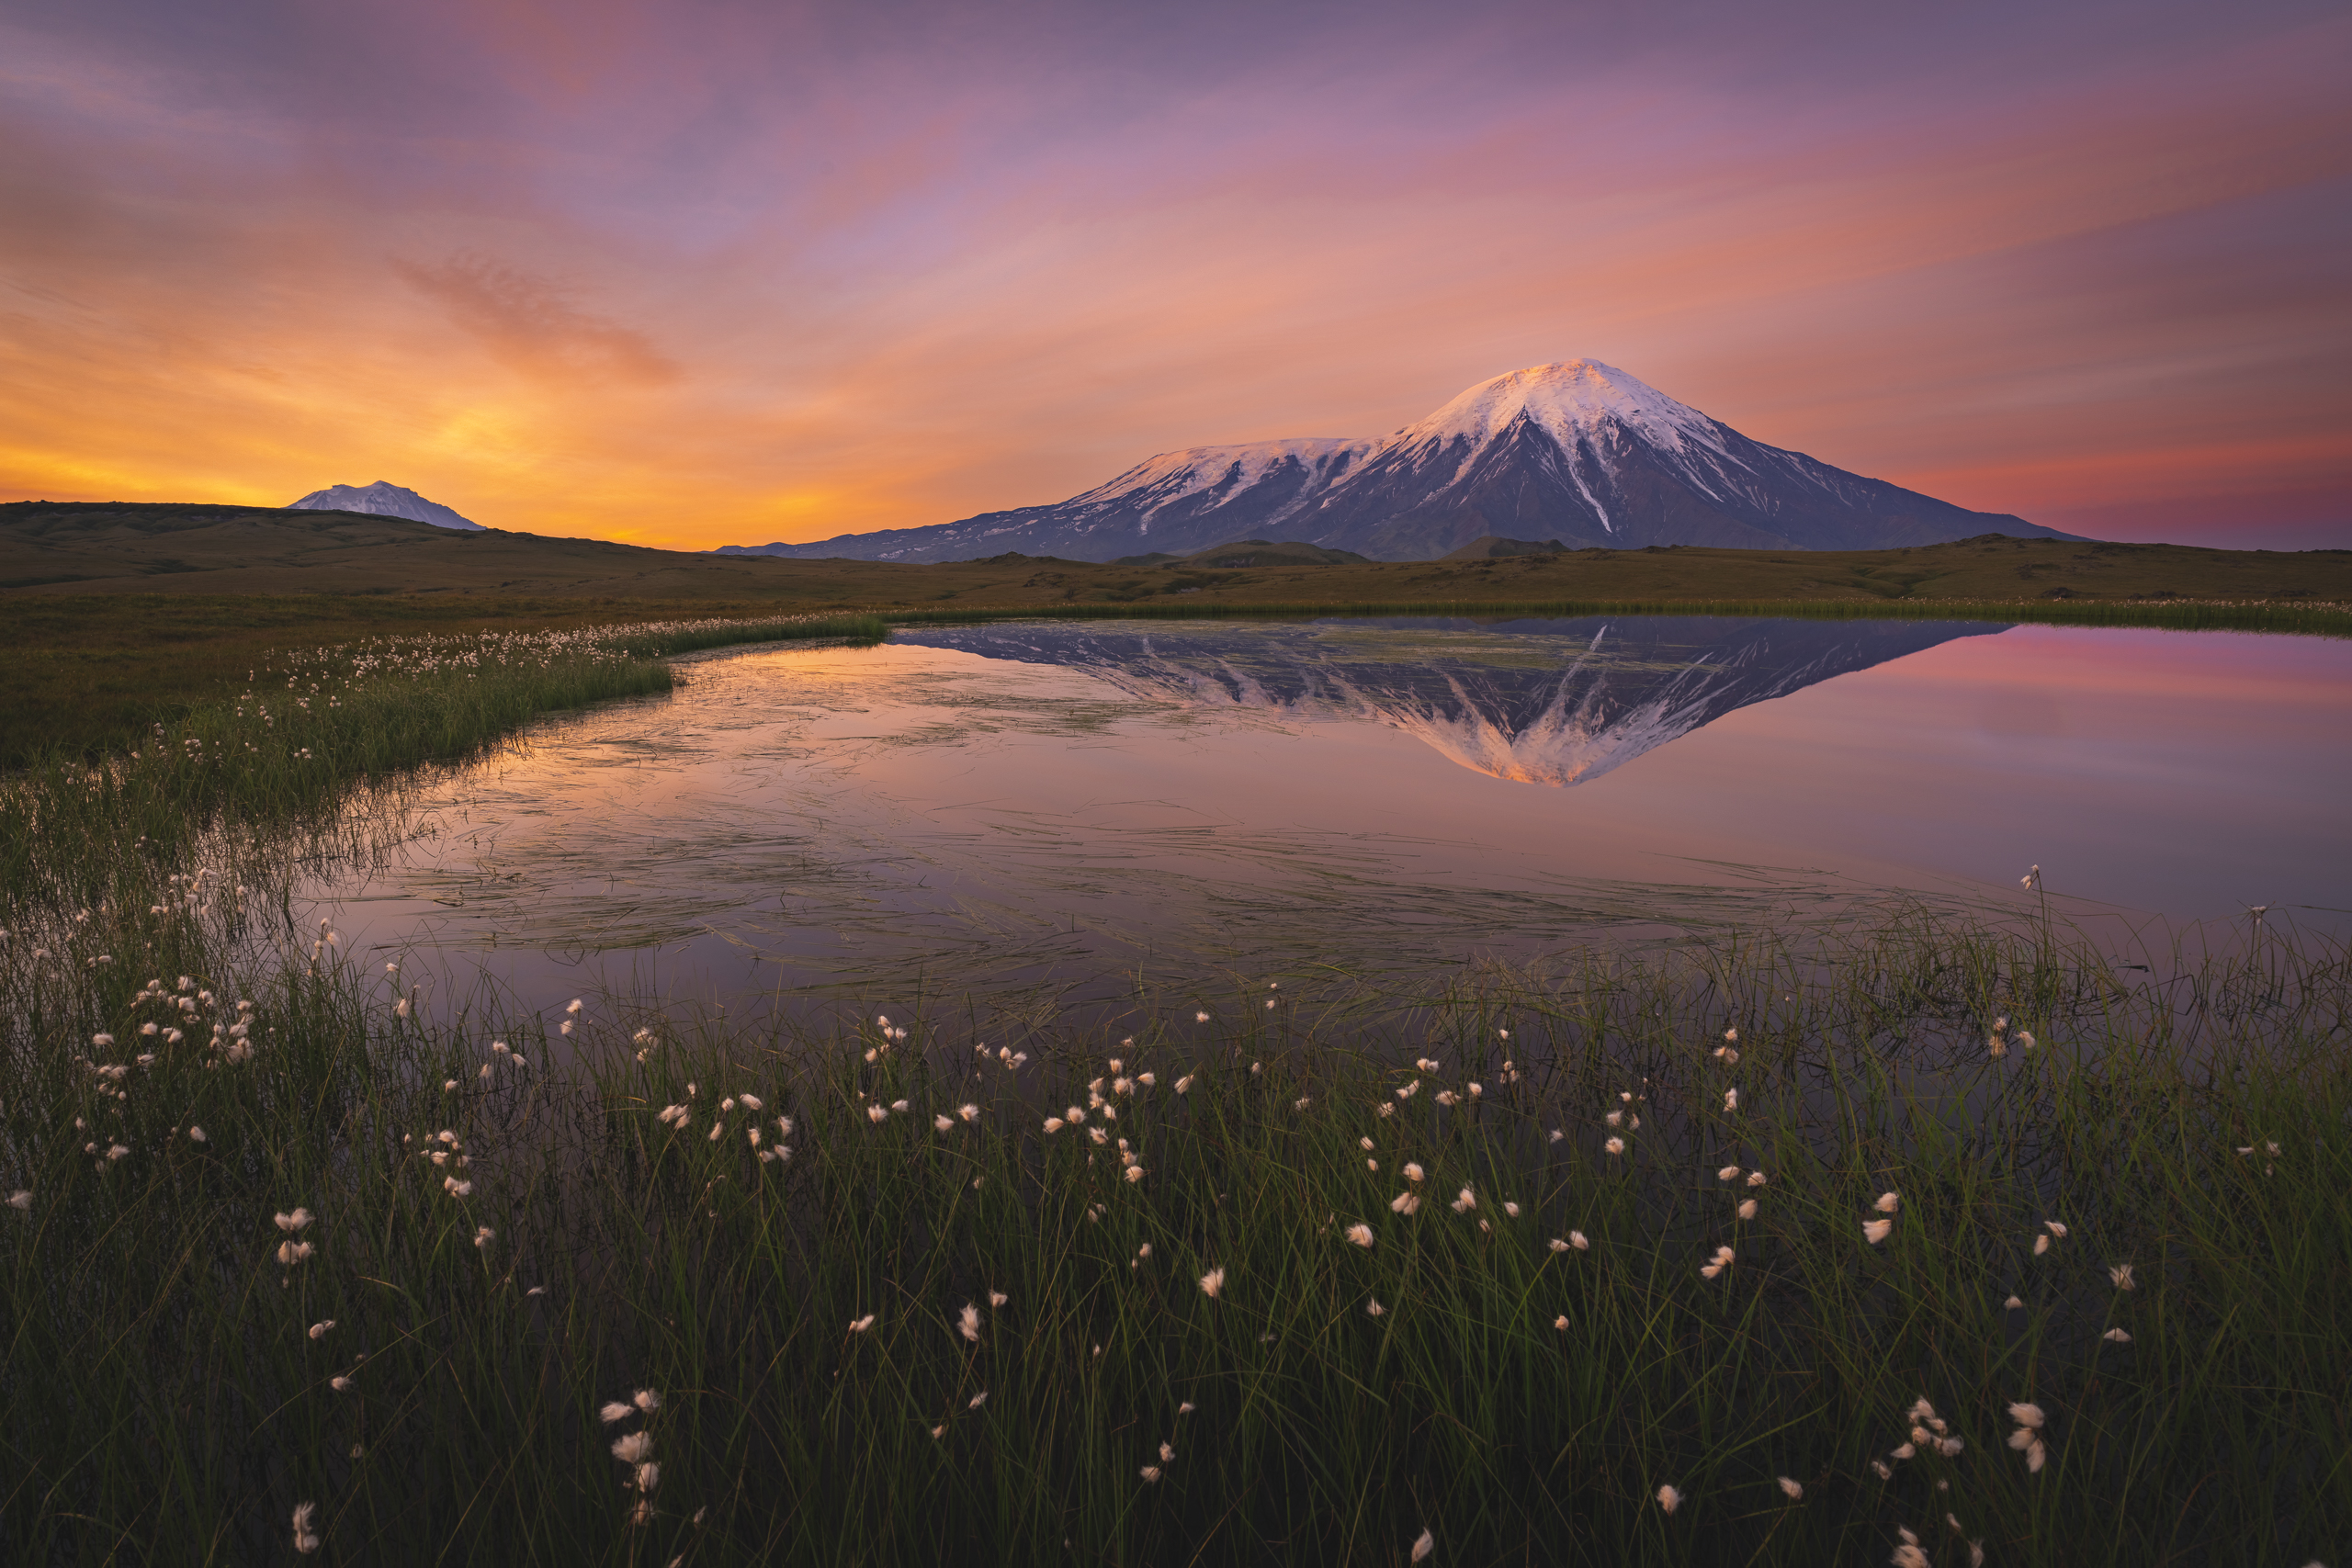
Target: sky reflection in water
{"x":1019,"y":807}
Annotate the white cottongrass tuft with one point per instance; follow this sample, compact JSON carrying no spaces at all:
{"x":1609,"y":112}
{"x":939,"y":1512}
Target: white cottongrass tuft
{"x":1888,"y":1203}
{"x":1413,"y":1172}
{"x":1728,"y":1173}
{"x":878,"y":1113}
{"x":1361,"y":1235}
{"x":2117,"y":1336}
{"x":615,"y":1410}
{"x":1668,"y":1499}
{"x":21,"y":1200}
{"x":1722,"y":1261}
{"x":967,"y":1322}
{"x":633,"y":1448}
{"x":1876,"y":1231}
{"x":2015,"y":1303}
{"x":1464,"y":1201}
{"x":320,"y":1330}
{"x":1406,"y":1202}
{"x":297,"y":1220}
{"x":1561,"y":1322}
{"x":1793,"y":1488}
{"x":1149,"y":1472}
{"x":997,"y":1298}
{"x":1747,"y":1210}
{"x":1614,"y":1145}
{"x":1373,"y":1309}
{"x":2027,"y":1415}
{"x":1731,"y":1099}
{"x":1578,"y":1240}
{"x":1200,"y":1018}
{"x":860,"y":1325}
{"x":1422,"y":1546}
{"x":2122,"y":1275}
{"x":306,"y":1541}
{"x":645,"y":1399}
{"x":1212,"y":1283}
{"x":2041,"y":1245}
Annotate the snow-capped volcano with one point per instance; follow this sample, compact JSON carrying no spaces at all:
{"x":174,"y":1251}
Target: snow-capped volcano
{"x":382,"y":499}
{"x":1578,"y":451}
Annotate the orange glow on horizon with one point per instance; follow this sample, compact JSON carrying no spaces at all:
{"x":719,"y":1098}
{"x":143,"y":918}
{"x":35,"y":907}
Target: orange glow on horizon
{"x":611,"y":278}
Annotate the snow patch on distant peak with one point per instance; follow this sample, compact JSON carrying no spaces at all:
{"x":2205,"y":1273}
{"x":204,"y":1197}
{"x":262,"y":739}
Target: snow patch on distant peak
{"x":1565,"y":401}
{"x":382,"y":499}
{"x":1172,"y":475}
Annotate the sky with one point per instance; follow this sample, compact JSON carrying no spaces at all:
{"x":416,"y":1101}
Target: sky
{"x":699,"y":272}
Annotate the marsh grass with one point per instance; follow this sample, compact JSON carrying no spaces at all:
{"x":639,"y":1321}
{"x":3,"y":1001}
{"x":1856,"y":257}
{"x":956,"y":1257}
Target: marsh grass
{"x":287,"y":747}
{"x":170,"y":1391}
{"x":164,"y":1402}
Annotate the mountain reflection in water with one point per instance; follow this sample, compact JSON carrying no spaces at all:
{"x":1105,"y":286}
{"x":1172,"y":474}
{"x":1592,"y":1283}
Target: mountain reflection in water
{"x":1550,"y":702}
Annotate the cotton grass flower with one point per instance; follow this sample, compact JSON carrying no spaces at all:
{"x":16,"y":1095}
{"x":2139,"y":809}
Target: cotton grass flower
{"x":633,"y":1448}
{"x":299,"y":1220}
{"x":1888,"y":1203}
{"x":1722,"y":1260}
{"x":1361,"y":1235}
{"x":320,"y":1330}
{"x":615,"y":1410}
{"x":1423,"y":1545}
{"x":1876,"y":1231}
{"x":2122,"y":1275}
{"x":997,"y":1298}
{"x":859,"y":1326}
{"x":1614,"y":1146}
{"x":1748,"y":1209}
{"x":1406,"y":1203}
{"x":1151,"y":1473}
{"x":2117,"y":1336}
{"x":306,"y":1541}
{"x":1668,"y":1499}
{"x":1731,"y":1099}
{"x":1212,"y":1283}
{"x":1728,"y":1173}
{"x":1373,"y":1309}
{"x":967,"y":1322}
{"x":1792,"y":1489}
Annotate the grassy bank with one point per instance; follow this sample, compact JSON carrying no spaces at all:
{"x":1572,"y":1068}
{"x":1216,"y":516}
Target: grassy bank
{"x":298,"y":731}
{"x":2182,"y":615}
{"x":301,"y":1245}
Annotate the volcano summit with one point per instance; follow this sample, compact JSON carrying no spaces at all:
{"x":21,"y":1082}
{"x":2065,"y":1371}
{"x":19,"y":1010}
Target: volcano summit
{"x":1578,"y":452}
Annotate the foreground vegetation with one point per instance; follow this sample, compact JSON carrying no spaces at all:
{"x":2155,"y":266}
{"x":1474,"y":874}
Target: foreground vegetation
{"x":1280,"y":1283}
{"x":1765,"y":1250}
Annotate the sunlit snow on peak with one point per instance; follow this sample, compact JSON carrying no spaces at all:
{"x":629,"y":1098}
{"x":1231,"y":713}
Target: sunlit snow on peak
{"x":1565,"y":401}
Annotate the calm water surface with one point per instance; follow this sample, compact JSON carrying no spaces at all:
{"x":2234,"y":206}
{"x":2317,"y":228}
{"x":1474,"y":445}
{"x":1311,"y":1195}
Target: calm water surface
{"x":1037,"y":809}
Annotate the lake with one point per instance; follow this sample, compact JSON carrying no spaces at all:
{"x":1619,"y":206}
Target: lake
{"x":1036,"y":812}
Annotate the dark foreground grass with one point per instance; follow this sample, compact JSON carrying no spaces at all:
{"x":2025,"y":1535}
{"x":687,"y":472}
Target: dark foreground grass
{"x":897,"y":1294}
{"x":278,"y":1247}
